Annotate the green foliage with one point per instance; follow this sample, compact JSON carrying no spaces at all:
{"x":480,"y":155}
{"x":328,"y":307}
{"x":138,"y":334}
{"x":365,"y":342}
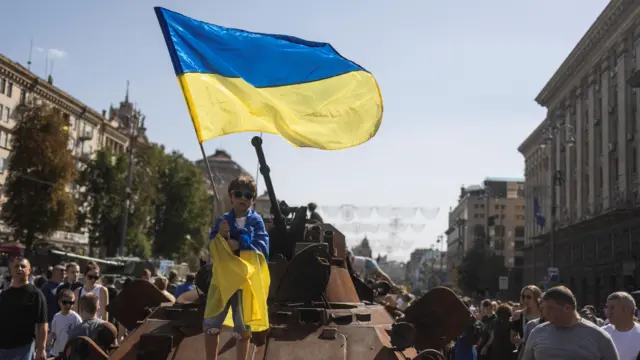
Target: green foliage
{"x":183,"y":212}
{"x":102,"y":181}
{"x":41,"y":169}
{"x":170,"y":212}
{"x":480,"y":270}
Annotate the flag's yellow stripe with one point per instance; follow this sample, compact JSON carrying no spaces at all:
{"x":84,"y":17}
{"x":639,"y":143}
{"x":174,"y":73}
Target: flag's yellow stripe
{"x":334,"y":113}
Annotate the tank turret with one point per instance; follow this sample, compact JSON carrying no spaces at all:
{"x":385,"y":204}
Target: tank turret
{"x":317,"y":307}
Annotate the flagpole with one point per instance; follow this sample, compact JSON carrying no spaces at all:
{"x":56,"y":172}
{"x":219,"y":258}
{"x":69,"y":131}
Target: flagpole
{"x":257,"y":179}
{"x":213,"y":183}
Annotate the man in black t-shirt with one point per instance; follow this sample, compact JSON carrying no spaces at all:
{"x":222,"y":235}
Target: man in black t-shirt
{"x":23,"y":310}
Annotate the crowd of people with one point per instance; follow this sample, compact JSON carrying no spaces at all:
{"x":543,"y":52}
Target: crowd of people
{"x":550,"y":326}
{"x":61,"y":308}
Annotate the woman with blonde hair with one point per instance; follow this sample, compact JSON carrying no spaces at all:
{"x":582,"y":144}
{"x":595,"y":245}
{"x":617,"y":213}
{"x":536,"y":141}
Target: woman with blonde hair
{"x":530,"y":310}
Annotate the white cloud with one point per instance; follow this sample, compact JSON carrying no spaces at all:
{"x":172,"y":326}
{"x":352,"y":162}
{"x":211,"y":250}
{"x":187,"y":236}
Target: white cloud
{"x":53,"y":53}
{"x":57,"y":53}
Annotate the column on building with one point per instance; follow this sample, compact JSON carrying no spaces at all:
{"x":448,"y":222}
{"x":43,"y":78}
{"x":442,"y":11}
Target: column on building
{"x":559,"y":119}
{"x":636,"y":98}
{"x":622,"y":109}
{"x":579,"y":152}
{"x":568,"y":163}
{"x":606,"y":137}
{"x":591,"y":133}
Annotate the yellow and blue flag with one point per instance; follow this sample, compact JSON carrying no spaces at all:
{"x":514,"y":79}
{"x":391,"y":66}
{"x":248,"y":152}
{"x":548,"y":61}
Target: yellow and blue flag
{"x":250,"y":273}
{"x":237,"y":81}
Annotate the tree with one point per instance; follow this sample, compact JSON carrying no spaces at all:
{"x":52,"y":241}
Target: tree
{"x":169,"y":213}
{"x":183,"y":210}
{"x":102,"y":182}
{"x":480,"y":270}
{"x":41,"y":169}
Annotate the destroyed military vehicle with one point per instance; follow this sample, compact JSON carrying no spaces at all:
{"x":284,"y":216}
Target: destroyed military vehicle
{"x":317,"y":308}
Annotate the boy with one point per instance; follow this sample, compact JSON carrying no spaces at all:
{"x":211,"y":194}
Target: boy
{"x":243,"y":231}
{"x":63,"y":322}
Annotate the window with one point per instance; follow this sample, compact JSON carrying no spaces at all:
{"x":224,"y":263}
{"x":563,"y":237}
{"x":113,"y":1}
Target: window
{"x":7,"y":114}
{"x":1,"y":111}
{"x":10,"y":89}
{"x":3,"y":139}
{"x":3,"y":165}
{"x":23,"y":96}
{"x":9,"y":140}
{"x":3,"y":85}
{"x":519,"y":231}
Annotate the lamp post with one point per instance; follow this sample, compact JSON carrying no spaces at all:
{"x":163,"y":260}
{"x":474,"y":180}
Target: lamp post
{"x":440,"y":243}
{"x":133,"y":125}
{"x":557,"y":178}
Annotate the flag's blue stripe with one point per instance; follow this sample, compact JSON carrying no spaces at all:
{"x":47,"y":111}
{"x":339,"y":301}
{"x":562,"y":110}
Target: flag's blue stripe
{"x":263,"y":60}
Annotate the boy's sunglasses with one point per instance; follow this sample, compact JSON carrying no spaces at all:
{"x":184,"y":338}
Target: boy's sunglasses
{"x":239,"y":194}
{"x":67,"y":302}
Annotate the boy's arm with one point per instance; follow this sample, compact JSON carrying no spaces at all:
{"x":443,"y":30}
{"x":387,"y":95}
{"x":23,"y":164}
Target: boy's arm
{"x":260,"y":240}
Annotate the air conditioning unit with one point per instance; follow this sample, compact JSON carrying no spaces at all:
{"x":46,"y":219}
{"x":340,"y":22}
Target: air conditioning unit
{"x":596,"y":120}
{"x":612,"y":147}
{"x":612,"y":109}
{"x":630,"y":137}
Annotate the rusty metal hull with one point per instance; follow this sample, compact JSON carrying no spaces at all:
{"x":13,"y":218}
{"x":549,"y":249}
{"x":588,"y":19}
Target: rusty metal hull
{"x":355,"y":331}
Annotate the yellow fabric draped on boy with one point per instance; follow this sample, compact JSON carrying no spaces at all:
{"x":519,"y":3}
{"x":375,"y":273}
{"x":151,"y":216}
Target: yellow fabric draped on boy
{"x":249,"y":273}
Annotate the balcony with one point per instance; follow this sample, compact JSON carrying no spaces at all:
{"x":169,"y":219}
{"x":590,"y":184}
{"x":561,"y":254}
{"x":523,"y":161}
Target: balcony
{"x":86,"y":135}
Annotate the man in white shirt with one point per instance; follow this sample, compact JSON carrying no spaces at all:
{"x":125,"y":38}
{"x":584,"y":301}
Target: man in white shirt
{"x":623,"y":330}
{"x":367,"y":268}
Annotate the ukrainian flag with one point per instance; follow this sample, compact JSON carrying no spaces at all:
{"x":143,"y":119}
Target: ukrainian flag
{"x":237,"y":81}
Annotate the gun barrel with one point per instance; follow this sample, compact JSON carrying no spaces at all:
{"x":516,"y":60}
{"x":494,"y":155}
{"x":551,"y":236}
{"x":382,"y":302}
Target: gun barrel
{"x":278,"y":220}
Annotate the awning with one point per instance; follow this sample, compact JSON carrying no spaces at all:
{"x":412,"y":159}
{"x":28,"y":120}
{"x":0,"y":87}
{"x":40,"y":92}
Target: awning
{"x":80,"y":257}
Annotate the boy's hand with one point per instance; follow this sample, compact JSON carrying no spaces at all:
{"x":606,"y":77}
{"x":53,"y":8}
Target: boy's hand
{"x":233,"y":244}
{"x":224,"y":229}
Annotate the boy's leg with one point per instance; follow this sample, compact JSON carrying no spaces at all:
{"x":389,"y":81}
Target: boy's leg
{"x":242,"y":331}
{"x":211,"y":329}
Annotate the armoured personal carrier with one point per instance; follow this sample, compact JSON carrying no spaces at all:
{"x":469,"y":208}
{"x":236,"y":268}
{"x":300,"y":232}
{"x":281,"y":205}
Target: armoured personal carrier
{"x":317,"y":308}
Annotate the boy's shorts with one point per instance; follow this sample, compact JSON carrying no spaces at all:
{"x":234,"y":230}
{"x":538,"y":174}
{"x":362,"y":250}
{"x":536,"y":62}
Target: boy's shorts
{"x":235,"y":303}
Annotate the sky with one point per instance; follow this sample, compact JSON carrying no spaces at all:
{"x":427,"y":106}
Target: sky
{"x":458,"y":79}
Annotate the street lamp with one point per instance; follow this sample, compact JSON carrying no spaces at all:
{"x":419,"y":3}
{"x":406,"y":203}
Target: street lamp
{"x":440,"y":242}
{"x":134,"y":124}
{"x":550,"y":134}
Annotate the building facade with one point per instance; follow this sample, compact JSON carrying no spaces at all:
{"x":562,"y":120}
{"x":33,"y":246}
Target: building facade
{"x":425,"y":269}
{"x":494,"y":212}
{"x":581,"y":163}
{"x":89,"y":130}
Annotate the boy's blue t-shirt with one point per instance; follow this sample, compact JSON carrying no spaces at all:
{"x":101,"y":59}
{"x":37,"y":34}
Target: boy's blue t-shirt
{"x":253,"y":236}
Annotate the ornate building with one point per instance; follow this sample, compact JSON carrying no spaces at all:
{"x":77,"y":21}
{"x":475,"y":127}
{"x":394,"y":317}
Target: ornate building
{"x":89,"y":130}
{"x":581,"y":163}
